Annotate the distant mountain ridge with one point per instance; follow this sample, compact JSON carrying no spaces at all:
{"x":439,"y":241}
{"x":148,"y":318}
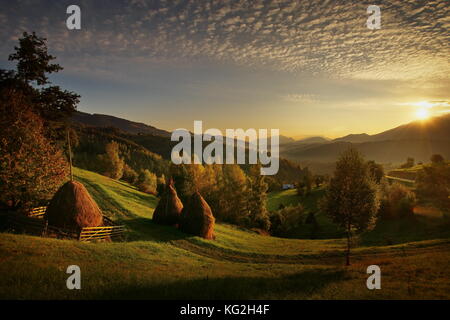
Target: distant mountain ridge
{"x":317,"y":139}
{"x":356,"y":138}
{"x":437,"y":128}
{"x":418,"y":139}
{"x":104,"y":121}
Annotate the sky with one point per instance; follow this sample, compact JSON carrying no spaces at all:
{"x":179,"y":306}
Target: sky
{"x":304,"y":67}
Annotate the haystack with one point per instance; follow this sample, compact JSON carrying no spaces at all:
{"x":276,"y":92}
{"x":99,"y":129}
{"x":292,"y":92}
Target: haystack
{"x":72,"y":207}
{"x":169,"y":208}
{"x":197,"y":218}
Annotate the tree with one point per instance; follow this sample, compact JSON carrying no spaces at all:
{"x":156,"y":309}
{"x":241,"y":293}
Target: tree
{"x":257,"y":198}
{"x":437,"y":159}
{"x":285,"y":220}
{"x":33,"y":59}
{"x":112,"y":163}
{"x":183,"y":180}
{"x":129,"y":175}
{"x":351,"y":199}
{"x":398,"y":202}
{"x":376,"y":170}
{"x":147,"y":182}
{"x":31,"y":167}
{"x":301,"y":188}
{"x":233,"y":195}
{"x":433,"y":182}
{"x":307,"y":179}
{"x":52,"y":103}
{"x":318,"y":180}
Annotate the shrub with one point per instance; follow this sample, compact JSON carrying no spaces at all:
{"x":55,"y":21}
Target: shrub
{"x":285,"y":220}
{"x":398,"y":202}
{"x":433,"y":182}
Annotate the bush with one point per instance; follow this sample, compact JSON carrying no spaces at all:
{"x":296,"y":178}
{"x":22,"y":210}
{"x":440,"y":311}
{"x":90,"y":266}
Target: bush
{"x":285,"y":220}
{"x":433,"y":182}
{"x":113,"y":164}
{"x":398,"y":202}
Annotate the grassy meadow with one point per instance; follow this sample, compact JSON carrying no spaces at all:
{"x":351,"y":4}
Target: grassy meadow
{"x":158,"y":262}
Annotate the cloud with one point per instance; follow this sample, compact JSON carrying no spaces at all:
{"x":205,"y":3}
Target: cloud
{"x":302,"y":98}
{"x":318,"y":37}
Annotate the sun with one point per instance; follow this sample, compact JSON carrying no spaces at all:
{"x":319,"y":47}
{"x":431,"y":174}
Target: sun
{"x":422,"y":114}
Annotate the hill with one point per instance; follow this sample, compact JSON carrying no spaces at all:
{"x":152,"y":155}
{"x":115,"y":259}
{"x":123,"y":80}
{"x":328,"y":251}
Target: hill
{"x":284,"y":139}
{"x":355,"y":138}
{"x":145,"y":151}
{"x":418,"y":139}
{"x":105,"y":121}
{"x":309,"y":140}
{"x":434,"y":129}
{"x":159,"y":262}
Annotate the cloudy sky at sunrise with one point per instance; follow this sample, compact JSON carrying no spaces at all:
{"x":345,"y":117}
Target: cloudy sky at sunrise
{"x":305,"y":67}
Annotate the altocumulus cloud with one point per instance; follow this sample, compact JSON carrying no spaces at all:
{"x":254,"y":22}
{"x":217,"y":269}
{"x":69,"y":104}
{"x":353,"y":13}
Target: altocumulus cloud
{"x":318,"y":37}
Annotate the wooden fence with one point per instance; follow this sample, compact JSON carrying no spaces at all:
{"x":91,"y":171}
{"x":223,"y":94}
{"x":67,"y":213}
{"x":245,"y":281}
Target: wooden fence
{"x":39,"y":227}
{"x":31,"y":224}
{"x":37,"y":212}
{"x":101,"y":233}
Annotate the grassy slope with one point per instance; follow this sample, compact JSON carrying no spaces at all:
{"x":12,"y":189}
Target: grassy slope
{"x":161,"y":262}
{"x":309,"y":202}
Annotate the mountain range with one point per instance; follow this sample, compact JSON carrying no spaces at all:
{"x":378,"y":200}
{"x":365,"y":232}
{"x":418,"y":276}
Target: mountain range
{"x":418,"y":139}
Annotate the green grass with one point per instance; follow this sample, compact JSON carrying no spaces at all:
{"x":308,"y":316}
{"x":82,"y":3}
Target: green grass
{"x":285,"y":197}
{"x":326,"y":228}
{"x":162,"y":263}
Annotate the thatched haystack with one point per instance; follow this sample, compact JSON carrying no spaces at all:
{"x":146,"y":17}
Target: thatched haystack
{"x":197,"y":218}
{"x":72,"y":207}
{"x":169,"y":208}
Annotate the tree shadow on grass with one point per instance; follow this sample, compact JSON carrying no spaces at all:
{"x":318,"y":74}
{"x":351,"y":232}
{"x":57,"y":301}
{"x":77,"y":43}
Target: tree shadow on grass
{"x":417,"y":228}
{"x":144,"y":229}
{"x":299,"y":285}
